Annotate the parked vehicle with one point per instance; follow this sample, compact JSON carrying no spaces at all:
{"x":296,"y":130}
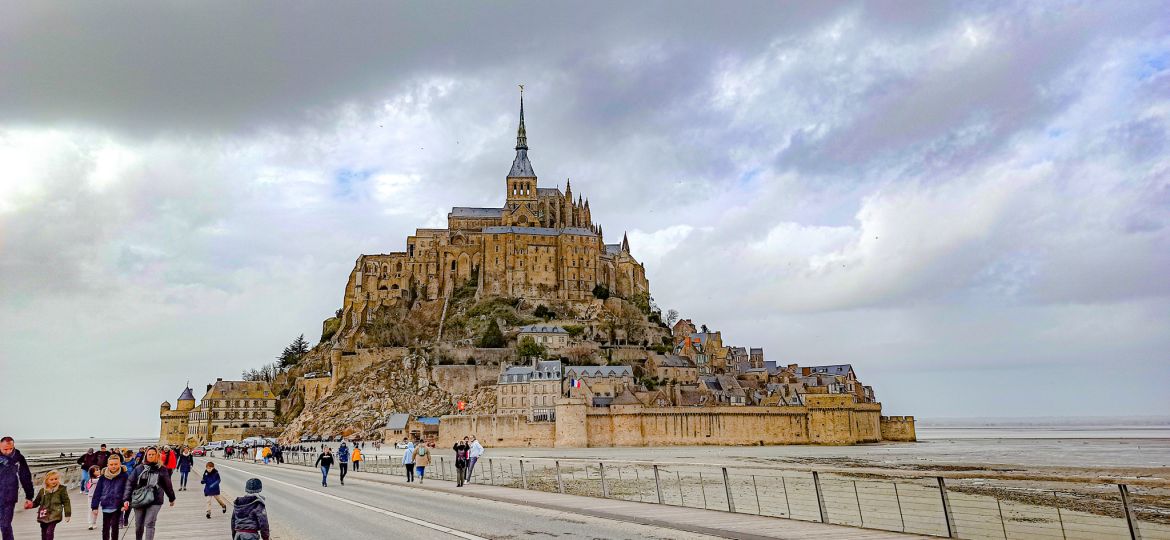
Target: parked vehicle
{"x":198,"y":452}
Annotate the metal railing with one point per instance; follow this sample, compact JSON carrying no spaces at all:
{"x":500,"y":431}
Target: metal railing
{"x":957,"y":505}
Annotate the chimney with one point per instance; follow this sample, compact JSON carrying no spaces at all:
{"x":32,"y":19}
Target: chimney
{"x":208,"y":388}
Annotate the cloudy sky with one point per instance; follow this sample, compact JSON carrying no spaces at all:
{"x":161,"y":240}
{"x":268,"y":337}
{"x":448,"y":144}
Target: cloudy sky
{"x":969,"y":202}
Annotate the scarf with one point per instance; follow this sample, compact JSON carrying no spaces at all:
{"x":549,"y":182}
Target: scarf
{"x":112,"y":475}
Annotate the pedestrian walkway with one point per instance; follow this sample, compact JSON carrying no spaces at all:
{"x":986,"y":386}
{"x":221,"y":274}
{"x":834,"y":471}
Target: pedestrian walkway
{"x":185,"y":521}
{"x":712,"y":522}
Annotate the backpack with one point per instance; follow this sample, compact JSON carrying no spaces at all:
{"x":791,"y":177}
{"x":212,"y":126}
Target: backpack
{"x":145,"y":495}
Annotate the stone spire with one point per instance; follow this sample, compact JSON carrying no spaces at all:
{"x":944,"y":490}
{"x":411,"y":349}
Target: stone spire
{"x":521,"y":167}
{"x":625,"y":243}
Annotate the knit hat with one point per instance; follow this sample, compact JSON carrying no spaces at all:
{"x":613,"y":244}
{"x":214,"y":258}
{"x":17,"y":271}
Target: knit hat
{"x":253,"y":485}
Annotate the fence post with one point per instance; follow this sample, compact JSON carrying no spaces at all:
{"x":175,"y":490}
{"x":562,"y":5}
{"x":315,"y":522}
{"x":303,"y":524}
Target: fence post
{"x":727,"y":488}
{"x":820,"y":495}
{"x":898,"y":499}
{"x":523,"y":479}
{"x":604,"y":488}
{"x":491,"y":471}
{"x":560,"y":482}
{"x":1130,"y":518}
{"x":857,"y":499}
{"x":952,"y":532}
{"x":442,"y":469}
{"x":1002,"y":525}
{"x":657,"y":484}
{"x":1059,"y":517}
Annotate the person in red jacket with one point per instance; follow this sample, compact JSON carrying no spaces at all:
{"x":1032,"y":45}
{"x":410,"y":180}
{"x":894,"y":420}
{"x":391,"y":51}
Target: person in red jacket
{"x":169,"y":460}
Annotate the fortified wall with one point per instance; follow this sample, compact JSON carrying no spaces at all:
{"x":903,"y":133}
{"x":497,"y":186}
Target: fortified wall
{"x":826,"y":419}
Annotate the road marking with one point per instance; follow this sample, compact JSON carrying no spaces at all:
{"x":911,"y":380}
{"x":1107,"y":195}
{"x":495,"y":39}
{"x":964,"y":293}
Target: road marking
{"x":396,"y":515}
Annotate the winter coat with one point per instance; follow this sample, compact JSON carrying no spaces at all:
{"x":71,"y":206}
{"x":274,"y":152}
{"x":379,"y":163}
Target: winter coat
{"x":422,"y":456}
{"x":476,"y":449}
{"x":169,"y":459}
{"x":408,"y":457}
{"x":109,"y":491}
{"x":185,"y":462}
{"x":249,"y":514}
{"x":343,"y":454}
{"x":210,"y":482}
{"x":87,"y":460}
{"x":324,"y":460}
{"x":56,"y":502}
{"x":14,"y":474}
{"x":103,"y":458}
{"x":357,"y":455}
{"x":139,"y":478}
{"x":461,"y":450}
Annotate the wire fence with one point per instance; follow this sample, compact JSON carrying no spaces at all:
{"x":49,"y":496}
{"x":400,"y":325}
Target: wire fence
{"x":969,"y":507}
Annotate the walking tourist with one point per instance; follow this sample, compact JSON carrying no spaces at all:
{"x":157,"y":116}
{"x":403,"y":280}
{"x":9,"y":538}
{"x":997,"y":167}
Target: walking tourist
{"x":473,"y":456}
{"x":169,"y":460}
{"x":422,"y":458}
{"x":343,"y":460}
{"x":461,"y":448}
{"x":87,"y":460}
{"x":107,"y":496}
{"x":408,"y":461}
{"x":103,"y":456}
{"x":14,"y":475}
{"x":90,"y":486}
{"x":52,"y":502}
{"x":186,"y":461}
{"x":356,"y":458}
{"x":144,"y":493}
{"x":325,"y":461}
{"x":249,"y":516}
{"x":210,"y":483}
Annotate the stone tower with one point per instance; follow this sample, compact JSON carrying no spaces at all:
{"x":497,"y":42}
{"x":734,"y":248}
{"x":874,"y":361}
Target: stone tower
{"x":521,"y":179}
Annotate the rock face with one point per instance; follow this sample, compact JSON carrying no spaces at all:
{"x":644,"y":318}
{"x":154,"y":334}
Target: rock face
{"x":358,"y":406}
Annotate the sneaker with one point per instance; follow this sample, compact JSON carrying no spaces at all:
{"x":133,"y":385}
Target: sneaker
{"x":209,"y":514}
{"x":225,"y":509}
{"x":91,"y":527}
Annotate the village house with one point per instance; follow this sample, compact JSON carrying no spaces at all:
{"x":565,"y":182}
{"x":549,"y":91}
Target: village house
{"x":553,"y":338}
{"x":530,"y":391}
{"x":672,"y":367}
{"x":598,"y":381}
{"x":229,"y":408}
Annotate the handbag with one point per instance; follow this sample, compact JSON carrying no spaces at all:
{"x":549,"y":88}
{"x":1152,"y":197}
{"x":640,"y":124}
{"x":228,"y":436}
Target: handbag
{"x":145,"y":495}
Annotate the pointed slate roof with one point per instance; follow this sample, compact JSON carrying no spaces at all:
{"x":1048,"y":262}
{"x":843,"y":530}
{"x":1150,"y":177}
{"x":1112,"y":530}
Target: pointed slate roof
{"x":187,"y":395}
{"x":521,"y":167}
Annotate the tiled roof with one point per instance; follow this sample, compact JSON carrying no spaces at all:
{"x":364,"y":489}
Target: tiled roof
{"x":239,"y":390}
{"x":542,"y":329}
{"x":397,"y":421}
{"x":540,"y":231}
{"x":674,"y":360}
{"x":187,"y":395}
{"x":835,"y":369}
{"x":471,"y":212}
{"x":548,"y":192}
{"x":613,"y":249}
{"x":599,"y":371}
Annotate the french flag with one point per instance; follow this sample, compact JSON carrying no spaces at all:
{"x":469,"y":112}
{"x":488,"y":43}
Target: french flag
{"x":574,"y":383}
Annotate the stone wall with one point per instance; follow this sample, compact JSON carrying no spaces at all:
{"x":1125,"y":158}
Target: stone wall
{"x":461,"y":380}
{"x":898,"y":428}
{"x":345,"y":364}
{"x":499,"y":430}
{"x":314,"y":389}
{"x":828,"y":419}
{"x":485,"y":357}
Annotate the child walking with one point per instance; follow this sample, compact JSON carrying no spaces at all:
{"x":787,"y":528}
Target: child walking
{"x":90,"y":487}
{"x":52,"y":502}
{"x":249,"y":516}
{"x":210,"y":483}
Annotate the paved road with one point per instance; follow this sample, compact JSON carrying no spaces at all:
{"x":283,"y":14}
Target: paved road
{"x":300,"y":508}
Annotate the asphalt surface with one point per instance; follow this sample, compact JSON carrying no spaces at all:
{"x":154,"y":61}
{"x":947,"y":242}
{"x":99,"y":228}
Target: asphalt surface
{"x":299,"y":508}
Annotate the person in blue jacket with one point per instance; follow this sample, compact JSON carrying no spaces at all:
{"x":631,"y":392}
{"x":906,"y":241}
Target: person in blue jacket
{"x":108,"y":495}
{"x":14,"y":475}
{"x":343,"y":460}
{"x":210,"y":483}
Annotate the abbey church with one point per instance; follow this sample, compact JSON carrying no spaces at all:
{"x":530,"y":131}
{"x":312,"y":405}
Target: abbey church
{"x":540,"y":245}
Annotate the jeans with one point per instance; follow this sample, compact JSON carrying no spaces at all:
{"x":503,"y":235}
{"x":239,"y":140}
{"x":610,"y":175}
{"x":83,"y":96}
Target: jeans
{"x":110,"y":523}
{"x":144,"y":521}
{"x":421,"y":470}
{"x":344,"y":467}
{"x":47,"y":530}
{"x":460,"y":472}
{"x":471,"y":466}
{"x":324,"y":475}
{"x":84,"y":480}
{"x":183,"y":478}
{"x":409,"y":471}
{"x":355,"y":465}
{"x":6,"y":509}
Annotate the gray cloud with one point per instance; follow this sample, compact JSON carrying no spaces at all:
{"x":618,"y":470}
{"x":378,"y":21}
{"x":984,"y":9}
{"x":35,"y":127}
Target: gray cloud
{"x":916,"y":189}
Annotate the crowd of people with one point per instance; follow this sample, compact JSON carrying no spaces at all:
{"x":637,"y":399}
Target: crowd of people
{"x":122,"y":485}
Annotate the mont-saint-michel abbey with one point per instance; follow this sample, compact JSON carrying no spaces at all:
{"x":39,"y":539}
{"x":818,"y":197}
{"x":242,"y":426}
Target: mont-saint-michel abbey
{"x":522,"y":325}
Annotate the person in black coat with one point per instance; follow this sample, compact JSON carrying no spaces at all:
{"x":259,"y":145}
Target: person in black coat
{"x":249,"y":515}
{"x":325,"y":461}
{"x":14,"y":474}
{"x":146,"y":517}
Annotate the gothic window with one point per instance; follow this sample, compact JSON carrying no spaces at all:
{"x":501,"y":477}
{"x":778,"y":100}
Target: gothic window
{"x":399,"y":267}
{"x":452,"y":265}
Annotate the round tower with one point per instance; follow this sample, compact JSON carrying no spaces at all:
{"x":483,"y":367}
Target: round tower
{"x":166,"y":406}
{"x":186,"y":400}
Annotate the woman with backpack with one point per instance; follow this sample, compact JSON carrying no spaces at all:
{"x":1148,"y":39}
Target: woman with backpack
{"x":422,"y":458}
{"x":144,"y":493}
{"x":325,"y":461}
{"x":462,"y":448}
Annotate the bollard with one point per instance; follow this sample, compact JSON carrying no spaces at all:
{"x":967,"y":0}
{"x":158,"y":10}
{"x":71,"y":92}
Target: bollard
{"x":560,"y":483}
{"x":523,"y":479}
{"x":727,"y":489}
{"x":604,"y":489}
{"x":492,"y":471}
{"x":442,"y":469}
{"x":820,"y":496}
{"x":946,"y":503}
{"x":657,"y":484}
{"x":1130,"y":519}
